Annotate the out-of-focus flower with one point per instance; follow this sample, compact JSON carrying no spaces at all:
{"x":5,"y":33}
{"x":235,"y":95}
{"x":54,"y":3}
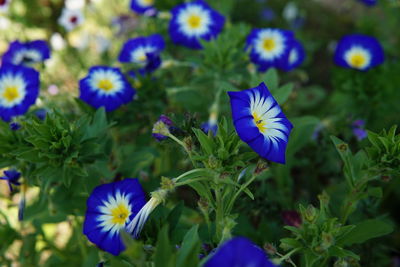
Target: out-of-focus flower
{"x":106,"y":87}
{"x":19,"y":88}
{"x":268,"y":14}
{"x":110,"y":207}
{"x":144,"y":51}
{"x":270,"y":47}
{"x":15,"y":126}
{"x":358,"y":129}
{"x":4,"y":4}
{"x":260,"y":122}
{"x":143,"y":6}
{"x":296,"y":56}
{"x":239,"y":251}
{"x":75,"y":4}
{"x":369,"y":2}
{"x":211,"y":124}
{"x":11,"y":176}
{"x":57,"y":42}
{"x":102,"y":43}
{"x":194,"y":21}
{"x":21,"y":204}
{"x":162,"y":127}
{"x":53,"y":89}
{"x":292,"y":218}
{"x":359,"y":52}
{"x":41,"y":114}
{"x":26,"y":53}
{"x":124,"y":24}
{"x":71,"y":18}
{"x":137,"y":223}
{"x":290,"y":11}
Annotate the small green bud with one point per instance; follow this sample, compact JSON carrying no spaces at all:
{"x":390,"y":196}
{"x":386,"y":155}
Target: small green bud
{"x":261,"y":167}
{"x":327,"y":240}
{"x":342,"y":147}
{"x":203,"y":205}
{"x":270,"y":249}
{"x":167,"y":184}
{"x":324,"y":198}
{"x":213,"y":162}
{"x":310,"y":214}
{"x":188,"y":143}
{"x":341,"y":263}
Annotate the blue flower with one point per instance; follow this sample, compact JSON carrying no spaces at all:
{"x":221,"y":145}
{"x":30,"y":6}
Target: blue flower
{"x":143,"y":6}
{"x":296,"y":56}
{"x":358,"y":52}
{"x":144,"y":51}
{"x":358,"y":129}
{"x":11,"y":176}
{"x":270,"y":47}
{"x":19,"y":88}
{"x":209,"y":126}
{"x":239,"y":251}
{"x":41,"y":114}
{"x":106,"y":87}
{"x":26,"y":53}
{"x":110,"y":207}
{"x":162,"y":128}
{"x":194,"y":21}
{"x":260,"y":122}
{"x":15,"y":126}
{"x":369,"y":2}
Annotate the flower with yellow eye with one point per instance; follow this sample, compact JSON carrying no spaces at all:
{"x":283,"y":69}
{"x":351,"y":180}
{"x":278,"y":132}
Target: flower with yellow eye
{"x":106,"y":87}
{"x":26,"y":53}
{"x":194,"y":21}
{"x":19,"y":89}
{"x":270,"y":47}
{"x":359,"y":52}
{"x":110,"y":208}
{"x":260,"y":122}
{"x":143,"y":6}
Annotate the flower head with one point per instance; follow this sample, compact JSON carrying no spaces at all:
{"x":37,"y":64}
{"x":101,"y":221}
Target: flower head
{"x":369,"y":2}
{"x":110,"y":207}
{"x":4,"y":4}
{"x":292,"y":218}
{"x":142,"y":6}
{"x":19,"y":88}
{"x":26,"y":53}
{"x":162,"y":128}
{"x":71,"y":18}
{"x":11,"y":176}
{"x":359,"y":52}
{"x":15,"y":126}
{"x":270,"y":47}
{"x":211,"y":124}
{"x":260,"y":122}
{"x":137,"y":223}
{"x":239,"y":251}
{"x":144,"y":51}
{"x":194,"y":21}
{"x":106,"y":87}
{"x":358,"y":129}
{"x":296,"y":56}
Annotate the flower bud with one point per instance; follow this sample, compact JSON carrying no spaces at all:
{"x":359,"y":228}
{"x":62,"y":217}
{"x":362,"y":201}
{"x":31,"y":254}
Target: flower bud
{"x":270,"y":249}
{"x":310,"y":214}
{"x":292,"y":218}
{"x":161,"y":128}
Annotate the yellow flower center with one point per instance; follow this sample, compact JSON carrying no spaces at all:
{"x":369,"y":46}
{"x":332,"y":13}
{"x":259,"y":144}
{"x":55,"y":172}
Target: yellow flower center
{"x":148,"y":2}
{"x":194,"y":21}
{"x":269,"y":44}
{"x":105,"y":85}
{"x":142,"y":57}
{"x":261,"y":125}
{"x":11,"y":93}
{"x":357,"y":60}
{"x":119,"y":214}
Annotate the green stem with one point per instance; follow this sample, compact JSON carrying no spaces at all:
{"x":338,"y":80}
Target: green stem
{"x":242,"y":188}
{"x":286,"y":257}
{"x":219,"y":214}
{"x":189,"y":172}
{"x":192,"y":181}
{"x":173,"y":137}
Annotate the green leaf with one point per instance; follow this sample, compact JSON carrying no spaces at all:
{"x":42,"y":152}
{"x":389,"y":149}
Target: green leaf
{"x":188,"y":254}
{"x":339,"y":252}
{"x":271,"y":79}
{"x":164,"y":254}
{"x":366,"y":230}
{"x":290,"y":243}
{"x":205,"y":142}
{"x":283,"y":93}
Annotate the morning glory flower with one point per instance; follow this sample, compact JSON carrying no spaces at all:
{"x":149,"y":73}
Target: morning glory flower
{"x":142,"y":6}
{"x":110,"y":207}
{"x":194,"y":21}
{"x":11,"y":176}
{"x":270,"y":47}
{"x":360,"y":52}
{"x":144,"y":51}
{"x":71,"y":18}
{"x":4,"y":4}
{"x":211,"y":124}
{"x":26,"y":53}
{"x":19,"y":88}
{"x":296,"y":56}
{"x":106,"y":87}
{"x":260,"y":122}
{"x":369,"y":2}
{"x":239,"y":251}
{"x":162,"y":128}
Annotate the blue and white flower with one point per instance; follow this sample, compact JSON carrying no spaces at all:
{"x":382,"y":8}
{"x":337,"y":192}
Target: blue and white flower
{"x":260,"y":122}
{"x":106,"y":87}
{"x":296,"y":56}
{"x":144,"y":51}
{"x":71,"y":18}
{"x":369,"y":2}
{"x":110,"y":207}
{"x":26,"y":53}
{"x":19,"y":89}
{"x":11,"y":176}
{"x":239,"y":251}
{"x":359,"y":52}
{"x":194,"y":21}
{"x":212,"y":124}
{"x":270,"y":47}
{"x":143,"y":6}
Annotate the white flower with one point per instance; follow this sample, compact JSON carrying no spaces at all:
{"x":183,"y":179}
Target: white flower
{"x":4,"y":4}
{"x":71,"y":18}
{"x":57,"y":42}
